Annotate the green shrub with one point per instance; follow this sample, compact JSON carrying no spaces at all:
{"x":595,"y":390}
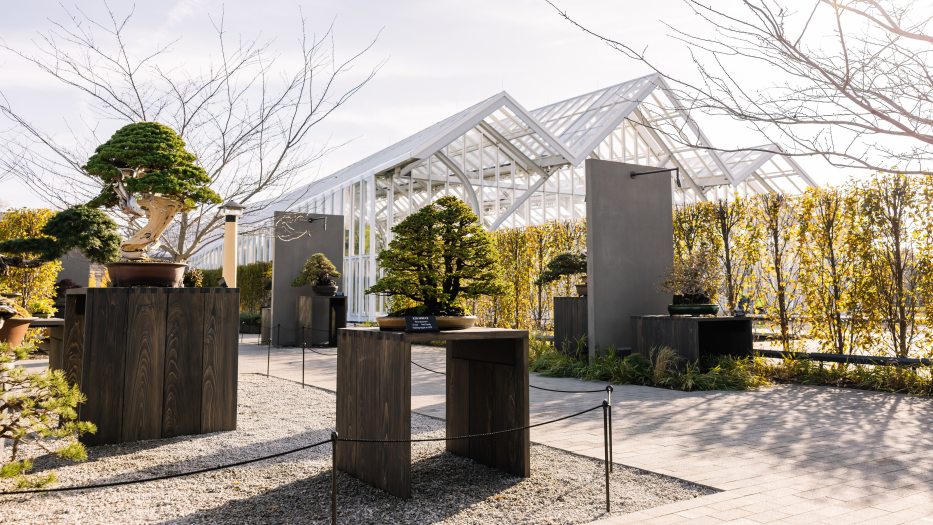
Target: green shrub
{"x":664,"y":369}
{"x":884,"y":378}
{"x":253,"y":280}
{"x":39,"y":408}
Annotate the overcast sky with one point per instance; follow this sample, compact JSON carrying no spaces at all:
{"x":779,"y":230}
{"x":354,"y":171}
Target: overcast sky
{"x":439,"y":57}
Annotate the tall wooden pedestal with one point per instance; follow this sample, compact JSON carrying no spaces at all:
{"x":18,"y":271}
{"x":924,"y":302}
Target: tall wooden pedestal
{"x":153,"y":362}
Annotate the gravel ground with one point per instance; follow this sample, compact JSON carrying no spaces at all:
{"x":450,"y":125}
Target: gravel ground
{"x":276,"y":415}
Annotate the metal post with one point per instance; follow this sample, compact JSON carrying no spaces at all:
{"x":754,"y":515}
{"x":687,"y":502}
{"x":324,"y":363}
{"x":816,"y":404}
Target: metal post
{"x":611,"y":457}
{"x":268,"y":353}
{"x":333,"y":478}
{"x":302,"y":357}
{"x":606,"y":446}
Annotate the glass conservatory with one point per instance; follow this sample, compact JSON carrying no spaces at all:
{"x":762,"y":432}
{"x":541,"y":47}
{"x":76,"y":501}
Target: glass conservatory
{"x":516,"y":167}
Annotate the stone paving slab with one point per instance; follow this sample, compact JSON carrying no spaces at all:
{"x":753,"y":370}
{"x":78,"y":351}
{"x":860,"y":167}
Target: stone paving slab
{"x":785,"y":454}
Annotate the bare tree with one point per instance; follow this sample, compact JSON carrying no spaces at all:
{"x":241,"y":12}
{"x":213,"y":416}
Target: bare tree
{"x":246,"y":119}
{"x":849,"y":80}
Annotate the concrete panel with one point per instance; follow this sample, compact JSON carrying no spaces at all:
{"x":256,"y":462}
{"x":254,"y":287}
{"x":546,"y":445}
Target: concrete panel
{"x":75,"y":266}
{"x":295,"y":240}
{"x":629,"y":246}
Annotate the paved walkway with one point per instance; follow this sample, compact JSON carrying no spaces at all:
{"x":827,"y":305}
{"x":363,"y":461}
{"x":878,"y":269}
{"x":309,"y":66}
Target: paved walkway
{"x":788,"y":454}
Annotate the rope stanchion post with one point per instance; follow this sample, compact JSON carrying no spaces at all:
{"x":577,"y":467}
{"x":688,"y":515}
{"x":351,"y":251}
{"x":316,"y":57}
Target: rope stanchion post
{"x":606,"y":447}
{"x":611,"y":457}
{"x":333,"y":478}
{"x":303,"y":346}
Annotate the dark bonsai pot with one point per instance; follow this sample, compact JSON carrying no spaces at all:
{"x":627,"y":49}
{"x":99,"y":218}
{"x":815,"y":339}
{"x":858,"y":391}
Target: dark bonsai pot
{"x":324,"y":290}
{"x":693,"y":309}
{"x":161,"y":274}
{"x":692,"y":304}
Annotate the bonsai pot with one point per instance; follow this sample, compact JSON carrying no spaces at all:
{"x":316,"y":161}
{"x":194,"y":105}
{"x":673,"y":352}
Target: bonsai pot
{"x":692,"y":304}
{"x":161,"y":274}
{"x":13,"y":330}
{"x":581,"y":289}
{"x":324,"y":290}
{"x":444,"y":322}
{"x":693,"y":309}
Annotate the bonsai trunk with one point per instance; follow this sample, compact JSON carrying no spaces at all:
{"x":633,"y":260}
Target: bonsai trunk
{"x":159,"y":212}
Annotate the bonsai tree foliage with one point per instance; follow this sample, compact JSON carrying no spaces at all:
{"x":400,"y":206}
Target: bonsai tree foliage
{"x":439,"y":256}
{"x":146,"y":171}
{"x":561,"y":265}
{"x":695,"y":276}
{"x":87,"y":229}
{"x":40,"y":409}
{"x":317,"y":271}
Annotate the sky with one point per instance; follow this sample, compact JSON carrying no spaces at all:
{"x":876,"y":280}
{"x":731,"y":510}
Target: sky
{"x":434,"y":58}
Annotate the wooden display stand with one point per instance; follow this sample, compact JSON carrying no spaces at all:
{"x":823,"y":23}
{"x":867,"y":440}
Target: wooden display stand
{"x":319,"y":318}
{"x":153,"y":362}
{"x":570,"y":323}
{"x":692,"y":337}
{"x":487,"y":390}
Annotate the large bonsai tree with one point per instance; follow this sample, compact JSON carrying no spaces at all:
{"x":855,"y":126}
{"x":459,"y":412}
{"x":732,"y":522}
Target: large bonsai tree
{"x":146,"y":171}
{"x":439,"y":256}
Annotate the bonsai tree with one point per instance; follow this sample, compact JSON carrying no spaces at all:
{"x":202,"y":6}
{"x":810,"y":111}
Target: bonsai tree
{"x":439,"y":256}
{"x":317,"y":271}
{"x":694,"y":277}
{"x":561,"y":265}
{"x":89,"y":230}
{"x":40,"y":408}
{"x":146,"y":171}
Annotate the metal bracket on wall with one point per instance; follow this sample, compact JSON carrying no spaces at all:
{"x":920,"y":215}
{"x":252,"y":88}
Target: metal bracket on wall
{"x":676,"y":171}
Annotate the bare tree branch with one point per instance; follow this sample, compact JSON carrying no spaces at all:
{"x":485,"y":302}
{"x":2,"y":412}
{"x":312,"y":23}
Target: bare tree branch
{"x":851,"y":79}
{"x":249,"y":121}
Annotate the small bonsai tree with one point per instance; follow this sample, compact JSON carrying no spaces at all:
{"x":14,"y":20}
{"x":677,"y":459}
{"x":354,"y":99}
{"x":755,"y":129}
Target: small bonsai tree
{"x":564,"y":264}
{"x":694,"y":277}
{"x":41,"y":409}
{"x":87,"y":229}
{"x":439,"y":256}
{"x":146,"y":171}
{"x":317,"y":271}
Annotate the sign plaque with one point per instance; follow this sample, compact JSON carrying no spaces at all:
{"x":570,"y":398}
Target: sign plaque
{"x":421,"y":323}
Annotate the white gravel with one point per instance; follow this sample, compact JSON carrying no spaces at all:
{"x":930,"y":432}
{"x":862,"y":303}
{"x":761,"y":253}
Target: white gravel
{"x":276,"y":415}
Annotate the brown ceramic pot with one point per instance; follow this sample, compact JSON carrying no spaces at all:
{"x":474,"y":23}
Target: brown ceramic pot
{"x":14,"y":329}
{"x":161,"y":274}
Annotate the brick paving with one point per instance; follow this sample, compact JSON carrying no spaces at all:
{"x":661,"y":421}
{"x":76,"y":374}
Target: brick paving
{"x":786,"y":454}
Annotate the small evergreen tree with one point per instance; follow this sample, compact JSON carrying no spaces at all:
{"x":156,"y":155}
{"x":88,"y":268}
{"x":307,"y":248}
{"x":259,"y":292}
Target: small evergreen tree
{"x":40,"y":409}
{"x":439,"y":256}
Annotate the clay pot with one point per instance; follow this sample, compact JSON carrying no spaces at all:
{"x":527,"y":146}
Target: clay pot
{"x":13,"y":330}
{"x":160,"y":274}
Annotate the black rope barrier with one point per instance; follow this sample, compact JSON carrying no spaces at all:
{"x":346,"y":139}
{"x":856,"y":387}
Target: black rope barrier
{"x":166,"y":476}
{"x":470,"y":436}
{"x":428,"y":369}
{"x":334,"y":439}
{"x":607,"y":388}
{"x":569,"y":391}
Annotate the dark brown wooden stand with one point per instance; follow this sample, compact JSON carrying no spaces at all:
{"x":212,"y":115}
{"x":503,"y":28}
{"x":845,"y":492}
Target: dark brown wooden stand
{"x":153,"y":362}
{"x":570,"y":323}
{"x":487,"y":390}
{"x":692,"y":337}
{"x":319,"y":318}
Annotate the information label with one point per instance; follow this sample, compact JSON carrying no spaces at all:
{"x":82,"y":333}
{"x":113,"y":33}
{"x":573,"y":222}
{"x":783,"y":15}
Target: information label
{"x":421,"y":323}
